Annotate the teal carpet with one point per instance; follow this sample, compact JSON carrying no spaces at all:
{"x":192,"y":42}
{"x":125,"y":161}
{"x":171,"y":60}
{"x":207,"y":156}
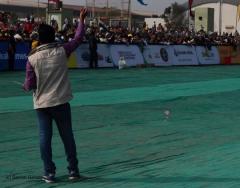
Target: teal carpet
{"x":155,"y":127}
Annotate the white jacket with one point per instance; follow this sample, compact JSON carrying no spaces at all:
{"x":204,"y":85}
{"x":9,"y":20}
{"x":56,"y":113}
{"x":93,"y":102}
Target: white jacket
{"x":53,"y":85}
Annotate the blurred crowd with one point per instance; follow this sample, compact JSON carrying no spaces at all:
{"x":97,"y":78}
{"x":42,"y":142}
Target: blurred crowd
{"x":19,"y":29}
{"x":157,"y":34}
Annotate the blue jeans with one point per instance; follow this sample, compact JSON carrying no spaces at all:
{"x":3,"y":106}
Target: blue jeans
{"x":62,"y":116}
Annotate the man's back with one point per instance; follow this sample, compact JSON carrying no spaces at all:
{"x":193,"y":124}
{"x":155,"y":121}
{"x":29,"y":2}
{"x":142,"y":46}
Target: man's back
{"x":53,"y":85}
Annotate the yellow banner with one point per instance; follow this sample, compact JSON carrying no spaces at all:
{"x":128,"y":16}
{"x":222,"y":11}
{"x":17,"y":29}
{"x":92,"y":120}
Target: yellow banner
{"x":72,"y":61}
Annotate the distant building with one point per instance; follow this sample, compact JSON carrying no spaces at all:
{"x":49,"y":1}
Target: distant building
{"x":23,"y":8}
{"x":226,"y":20}
{"x":150,"y":22}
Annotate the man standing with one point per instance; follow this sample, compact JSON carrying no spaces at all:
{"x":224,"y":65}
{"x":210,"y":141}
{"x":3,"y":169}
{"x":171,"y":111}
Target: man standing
{"x":11,"y":51}
{"x":93,"y":49}
{"x":47,"y":75}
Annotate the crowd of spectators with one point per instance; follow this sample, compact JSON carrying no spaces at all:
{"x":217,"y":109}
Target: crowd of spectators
{"x":157,"y":34}
{"x":21,"y":29}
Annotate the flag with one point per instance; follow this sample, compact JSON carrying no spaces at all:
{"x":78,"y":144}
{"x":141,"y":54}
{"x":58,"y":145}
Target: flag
{"x":141,"y":2}
{"x":238,"y":12}
{"x":190,"y":2}
{"x":55,"y":1}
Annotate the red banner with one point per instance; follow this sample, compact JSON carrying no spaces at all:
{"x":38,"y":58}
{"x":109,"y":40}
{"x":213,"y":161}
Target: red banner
{"x":190,"y":2}
{"x":55,"y":1}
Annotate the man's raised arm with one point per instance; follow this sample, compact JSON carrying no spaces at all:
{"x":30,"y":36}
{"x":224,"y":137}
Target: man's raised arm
{"x":73,"y":44}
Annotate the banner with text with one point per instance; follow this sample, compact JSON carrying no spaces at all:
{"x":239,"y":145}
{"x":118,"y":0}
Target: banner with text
{"x":104,"y":57}
{"x":81,"y":57}
{"x":207,"y":56}
{"x":21,"y":55}
{"x":3,"y":55}
{"x":184,"y":55}
{"x":131,"y":54}
{"x":158,"y":55}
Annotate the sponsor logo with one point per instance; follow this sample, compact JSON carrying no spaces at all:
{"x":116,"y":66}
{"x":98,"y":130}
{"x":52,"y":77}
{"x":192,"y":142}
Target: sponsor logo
{"x":150,"y":56}
{"x":127,"y":55}
{"x":12,"y":177}
{"x":164,"y":54}
{"x":108,"y":59}
{"x":21,"y":56}
{"x":183,"y":52}
{"x":4,"y":56}
{"x":207,"y":53}
{"x":86,"y":56}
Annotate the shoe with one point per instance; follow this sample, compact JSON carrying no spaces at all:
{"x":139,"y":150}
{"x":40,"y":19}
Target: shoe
{"x":49,"y":178}
{"x":74,"y":175}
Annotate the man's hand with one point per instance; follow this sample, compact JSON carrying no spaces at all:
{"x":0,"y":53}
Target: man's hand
{"x":83,"y":14}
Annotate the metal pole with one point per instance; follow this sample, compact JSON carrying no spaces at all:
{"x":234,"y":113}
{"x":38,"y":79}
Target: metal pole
{"x":87,"y":6}
{"x":93,"y":9}
{"x":220,"y":17}
{"x":122,"y":4}
{"x":237,"y":15}
{"x":38,"y":12}
{"x":129,"y":16}
{"x":107,"y":12}
{"x":189,"y":17}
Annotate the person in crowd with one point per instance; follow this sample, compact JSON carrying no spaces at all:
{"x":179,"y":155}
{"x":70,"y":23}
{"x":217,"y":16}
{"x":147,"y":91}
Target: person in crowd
{"x":34,"y":40}
{"x":11,"y":51}
{"x":93,"y":49}
{"x":66,"y":25}
{"x":47,"y":76}
{"x":54,"y":24}
{"x":156,"y":34}
{"x":28,"y":27}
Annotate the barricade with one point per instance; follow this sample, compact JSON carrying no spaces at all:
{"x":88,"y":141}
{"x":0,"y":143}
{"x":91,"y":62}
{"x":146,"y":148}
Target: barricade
{"x":80,"y":58}
{"x":225,"y":54}
{"x":184,"y":55}
{"x":21,"y":55}
{"x":207,"y":55}
{"x":157,"y":55}
{"x":4,"y":55}
{"x":131,"y":53}
{"x":235,"y":55}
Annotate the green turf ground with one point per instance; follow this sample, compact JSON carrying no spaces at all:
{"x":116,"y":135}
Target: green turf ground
{"x":124,"y":138}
